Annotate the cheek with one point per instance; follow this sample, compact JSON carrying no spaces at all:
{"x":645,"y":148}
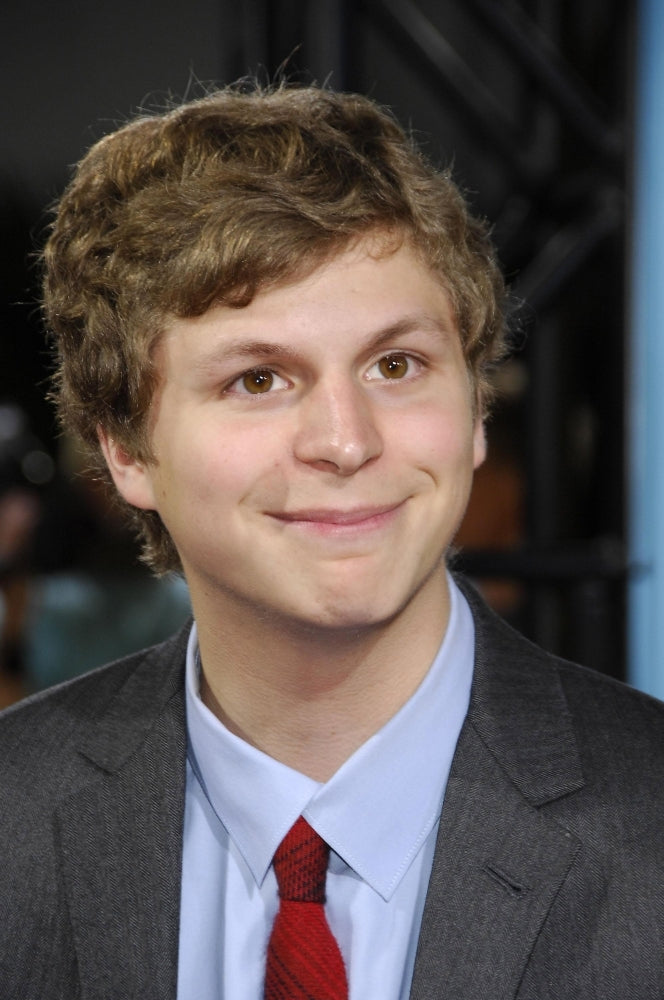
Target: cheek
{"x":246,"y":466}
{"x":440,"y":439}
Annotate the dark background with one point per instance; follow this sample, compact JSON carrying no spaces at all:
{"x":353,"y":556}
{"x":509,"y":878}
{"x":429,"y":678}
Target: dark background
{"x":530,"y":102}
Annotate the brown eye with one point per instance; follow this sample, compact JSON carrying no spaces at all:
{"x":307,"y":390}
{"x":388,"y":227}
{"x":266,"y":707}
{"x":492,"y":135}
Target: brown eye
{"x":393,"y":366}
{"x":258,"y":381}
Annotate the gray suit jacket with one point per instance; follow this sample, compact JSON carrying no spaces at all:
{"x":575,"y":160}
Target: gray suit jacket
{"x":548,"y":879}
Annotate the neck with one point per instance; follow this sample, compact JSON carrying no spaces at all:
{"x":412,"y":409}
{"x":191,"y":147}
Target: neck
{"x":310,"y":697}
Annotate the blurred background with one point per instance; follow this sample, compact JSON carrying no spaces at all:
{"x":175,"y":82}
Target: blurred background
{"x":542,"y":107}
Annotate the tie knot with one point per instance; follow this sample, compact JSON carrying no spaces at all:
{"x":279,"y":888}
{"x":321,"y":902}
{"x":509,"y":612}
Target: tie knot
{"x":300,"y":864}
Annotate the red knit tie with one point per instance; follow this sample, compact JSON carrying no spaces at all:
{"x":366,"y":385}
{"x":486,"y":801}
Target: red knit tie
{"x":303,"y":958}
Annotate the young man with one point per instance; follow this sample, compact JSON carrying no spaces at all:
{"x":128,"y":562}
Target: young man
{"x":275,"y":324}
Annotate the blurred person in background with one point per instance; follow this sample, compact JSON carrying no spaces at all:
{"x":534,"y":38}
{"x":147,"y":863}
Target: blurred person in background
{"x":25,"y":469}
{"x":72,"y":594}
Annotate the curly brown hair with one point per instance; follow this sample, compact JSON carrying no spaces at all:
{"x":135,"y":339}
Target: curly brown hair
{"x":213,"y":200}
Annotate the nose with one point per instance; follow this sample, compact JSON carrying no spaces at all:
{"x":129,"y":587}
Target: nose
{"x":337,"y":430}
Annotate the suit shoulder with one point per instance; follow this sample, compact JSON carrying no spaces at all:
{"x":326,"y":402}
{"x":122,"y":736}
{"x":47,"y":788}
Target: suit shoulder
{"x":618,"y":731}
{"x":519,"y":687}
{"x":37,"y":735}
{"x":618,"y":720}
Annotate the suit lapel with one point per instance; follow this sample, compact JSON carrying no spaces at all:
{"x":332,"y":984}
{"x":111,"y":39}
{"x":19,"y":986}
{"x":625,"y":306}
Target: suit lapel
{"x":497,"y":869}
{"x":500,"y":861}
{"x":120,"y":837}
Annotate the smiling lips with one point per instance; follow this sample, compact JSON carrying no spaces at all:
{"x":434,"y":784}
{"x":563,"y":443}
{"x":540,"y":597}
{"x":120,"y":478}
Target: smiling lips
{"x":338,"y":519}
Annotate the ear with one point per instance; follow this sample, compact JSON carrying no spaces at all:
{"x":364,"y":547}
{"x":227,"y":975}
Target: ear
{"x":479,"y":442}
{"x":133,"y":479}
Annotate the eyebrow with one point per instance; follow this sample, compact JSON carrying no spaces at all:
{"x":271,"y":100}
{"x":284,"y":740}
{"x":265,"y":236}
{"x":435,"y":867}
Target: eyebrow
{"x":245,"y":350}
{"x":269,"y":351}
{"x":410,"y":324}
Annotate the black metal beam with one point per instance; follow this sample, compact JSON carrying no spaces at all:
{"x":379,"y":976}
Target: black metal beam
{"x":537,"y":56}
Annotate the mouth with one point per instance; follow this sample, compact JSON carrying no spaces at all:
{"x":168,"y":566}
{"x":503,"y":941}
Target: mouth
{"x":333,"y":519}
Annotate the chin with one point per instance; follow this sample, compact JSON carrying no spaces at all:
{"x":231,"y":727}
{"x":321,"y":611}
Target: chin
{"x":344,"y":618}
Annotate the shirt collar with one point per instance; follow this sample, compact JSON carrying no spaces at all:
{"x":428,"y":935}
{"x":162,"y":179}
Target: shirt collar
{"x":379,"y":808}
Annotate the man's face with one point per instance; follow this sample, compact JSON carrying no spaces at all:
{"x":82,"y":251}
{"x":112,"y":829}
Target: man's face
{"x":314,"y":450}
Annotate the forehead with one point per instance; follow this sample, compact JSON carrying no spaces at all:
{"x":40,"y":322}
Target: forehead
{"x":363,"y":291}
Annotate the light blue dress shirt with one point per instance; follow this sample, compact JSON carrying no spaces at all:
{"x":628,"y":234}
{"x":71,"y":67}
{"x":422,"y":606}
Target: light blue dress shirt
{"x":379,"y":813}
